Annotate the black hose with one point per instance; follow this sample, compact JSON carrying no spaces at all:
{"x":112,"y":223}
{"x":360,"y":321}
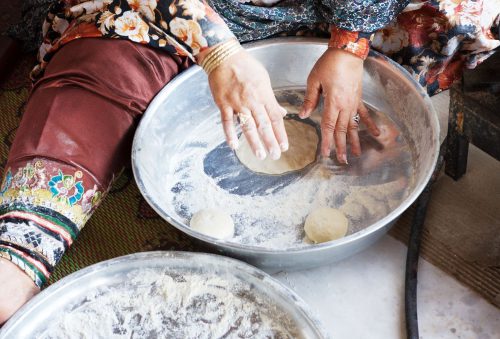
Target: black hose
{"x":412,"y":256}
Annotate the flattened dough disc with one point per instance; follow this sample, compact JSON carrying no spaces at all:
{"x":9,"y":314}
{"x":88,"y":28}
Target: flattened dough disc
{"x":303,"y":141}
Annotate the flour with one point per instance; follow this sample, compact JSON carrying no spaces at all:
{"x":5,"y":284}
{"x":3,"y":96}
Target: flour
{"x":381,"y":179}
{"x":153,"y":304}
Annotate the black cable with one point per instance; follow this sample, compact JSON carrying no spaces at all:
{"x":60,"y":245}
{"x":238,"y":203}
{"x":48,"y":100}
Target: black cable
{"x":413,"y":253}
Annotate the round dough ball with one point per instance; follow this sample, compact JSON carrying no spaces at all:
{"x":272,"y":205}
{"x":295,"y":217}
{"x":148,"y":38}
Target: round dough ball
{"x":325,"y":224}
{"x":213,"y":222}
{"x":303,"y":145}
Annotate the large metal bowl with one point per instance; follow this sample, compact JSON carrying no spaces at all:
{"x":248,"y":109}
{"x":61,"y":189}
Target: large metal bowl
{"x":187,"y":101}
{"x":34,"y":320}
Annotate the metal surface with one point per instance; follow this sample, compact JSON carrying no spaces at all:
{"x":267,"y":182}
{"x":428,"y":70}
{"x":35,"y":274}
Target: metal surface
{"x":66,"y":294}
{"x":186,"y":103}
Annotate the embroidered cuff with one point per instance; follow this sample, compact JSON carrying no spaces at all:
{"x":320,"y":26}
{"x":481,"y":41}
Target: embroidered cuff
{"x":43,"y":206}
{"x":357,"y":43}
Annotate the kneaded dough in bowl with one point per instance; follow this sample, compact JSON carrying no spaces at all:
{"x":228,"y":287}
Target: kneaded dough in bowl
{"x":213,"y":222}
{"x":325,"y":224}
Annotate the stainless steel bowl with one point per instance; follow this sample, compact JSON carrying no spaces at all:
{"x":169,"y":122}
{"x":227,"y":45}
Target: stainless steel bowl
{"x":186,"y":102}
{"x":75,"y":291}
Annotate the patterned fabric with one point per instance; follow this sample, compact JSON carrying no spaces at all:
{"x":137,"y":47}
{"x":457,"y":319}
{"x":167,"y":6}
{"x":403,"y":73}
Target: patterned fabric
{"x":43,"y":206}
{"x":435,"y":40}
{"x":180,"y":27}
{"x":249,"y":21}
{"x":432,"y":39}
{"x":357,"y":43}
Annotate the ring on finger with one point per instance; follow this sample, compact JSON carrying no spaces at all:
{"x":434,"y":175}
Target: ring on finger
{"x":243,"y":118}
{"x":356,"y":119}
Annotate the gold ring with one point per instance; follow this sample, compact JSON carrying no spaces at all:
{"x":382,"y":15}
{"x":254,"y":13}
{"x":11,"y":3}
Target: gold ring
{"x":243,"y":118}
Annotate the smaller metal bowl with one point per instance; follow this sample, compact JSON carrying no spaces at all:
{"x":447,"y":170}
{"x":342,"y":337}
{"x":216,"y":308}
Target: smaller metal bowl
{"x":77,"y":289}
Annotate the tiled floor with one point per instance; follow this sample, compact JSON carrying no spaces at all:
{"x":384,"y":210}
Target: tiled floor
{"x":362,"y":296}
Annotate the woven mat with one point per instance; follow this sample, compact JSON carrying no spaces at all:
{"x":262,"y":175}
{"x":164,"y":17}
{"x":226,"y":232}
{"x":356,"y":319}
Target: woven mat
{"x":126,"y":224}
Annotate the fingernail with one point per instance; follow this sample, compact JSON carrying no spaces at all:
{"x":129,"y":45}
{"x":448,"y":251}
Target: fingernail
{"x":275,"y":155}
{"x":284,"y":146}
{"x":261,"y":154}
{"x":343,"y":159}
{"x":234,"y":144}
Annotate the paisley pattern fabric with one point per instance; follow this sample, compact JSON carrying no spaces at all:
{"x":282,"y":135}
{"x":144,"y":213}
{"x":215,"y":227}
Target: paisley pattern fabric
{"x":249,"y":21}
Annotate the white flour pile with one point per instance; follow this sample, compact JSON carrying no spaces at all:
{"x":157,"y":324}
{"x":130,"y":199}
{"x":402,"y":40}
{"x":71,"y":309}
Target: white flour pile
{"x":275,"y":221}
{"x":159,"y":305}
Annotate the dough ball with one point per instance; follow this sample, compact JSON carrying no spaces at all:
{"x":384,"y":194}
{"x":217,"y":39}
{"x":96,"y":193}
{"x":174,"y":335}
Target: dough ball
{"x":213,"y":222}
{"x":303,"y":144}
{"x":325,"y":224}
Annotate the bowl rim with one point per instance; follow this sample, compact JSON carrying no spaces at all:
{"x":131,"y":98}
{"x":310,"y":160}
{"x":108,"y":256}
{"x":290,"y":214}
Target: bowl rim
{"x":266,"y":280}
{"x":308,"y":248}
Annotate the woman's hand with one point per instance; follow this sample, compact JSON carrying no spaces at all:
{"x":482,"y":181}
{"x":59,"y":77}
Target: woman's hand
{"x":337,"y":75}
{"x":241,"y":86}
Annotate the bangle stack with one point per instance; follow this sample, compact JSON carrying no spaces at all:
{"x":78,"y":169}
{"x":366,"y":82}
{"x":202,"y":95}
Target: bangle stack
{"x":220,"y":54}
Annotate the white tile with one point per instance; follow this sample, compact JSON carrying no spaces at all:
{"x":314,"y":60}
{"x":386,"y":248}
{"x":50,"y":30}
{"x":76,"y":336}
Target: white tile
{"x":362,"y":297}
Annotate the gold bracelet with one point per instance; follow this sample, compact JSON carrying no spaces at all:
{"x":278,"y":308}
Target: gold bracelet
{"x":223,"y":56}
{"x":217,"y":50}
{"x":221,"y":53}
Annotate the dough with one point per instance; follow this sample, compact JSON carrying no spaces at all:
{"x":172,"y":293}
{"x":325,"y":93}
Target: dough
{"x":303,"y":144}
{"x":213,"y":222}
{"x":325,"y":224}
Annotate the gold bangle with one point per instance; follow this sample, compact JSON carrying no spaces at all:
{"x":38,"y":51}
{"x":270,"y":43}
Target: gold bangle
{"x":221,"y":53}
{"x":220,"y":58}
{"x":217,"y":51}
{"x":223,"y":57}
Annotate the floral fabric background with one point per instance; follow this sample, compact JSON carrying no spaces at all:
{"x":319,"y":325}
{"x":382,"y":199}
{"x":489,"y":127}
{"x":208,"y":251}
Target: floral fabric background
{"x":434,"y":40}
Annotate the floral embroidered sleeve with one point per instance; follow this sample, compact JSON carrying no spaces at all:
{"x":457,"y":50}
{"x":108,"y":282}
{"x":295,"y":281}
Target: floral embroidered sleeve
{"x":181,"y":27}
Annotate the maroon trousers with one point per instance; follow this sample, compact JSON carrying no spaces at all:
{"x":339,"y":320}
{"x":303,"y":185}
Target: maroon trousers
{"x":74,"y":138}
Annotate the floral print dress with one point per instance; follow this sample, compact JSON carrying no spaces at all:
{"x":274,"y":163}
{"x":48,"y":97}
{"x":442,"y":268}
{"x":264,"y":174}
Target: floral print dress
{"x":433,"y":39}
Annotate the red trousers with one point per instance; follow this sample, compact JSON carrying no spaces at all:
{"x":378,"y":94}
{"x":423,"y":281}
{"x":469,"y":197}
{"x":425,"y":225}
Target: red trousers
{"x":75,"y":137}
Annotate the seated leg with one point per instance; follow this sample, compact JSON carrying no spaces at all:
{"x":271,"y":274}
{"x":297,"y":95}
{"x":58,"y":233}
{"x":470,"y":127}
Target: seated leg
{"x":74,"y":138}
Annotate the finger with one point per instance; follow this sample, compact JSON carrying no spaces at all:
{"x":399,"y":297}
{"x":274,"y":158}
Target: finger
{"x":340,"y":136}
{"x":250,"y":131}
{"x":227,"y":117}
{"x":282,"y":110}
{"x":352,"y":135}
{"x":311,"y":99}
{"x":266,"y":131}
{"x":328,"y":121}
{"x":279,"y":127}
{"x":367,"y":119}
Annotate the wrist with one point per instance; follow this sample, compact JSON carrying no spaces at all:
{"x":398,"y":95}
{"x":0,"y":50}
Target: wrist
{"x":355,"y":43}
{"x":218,"y":54}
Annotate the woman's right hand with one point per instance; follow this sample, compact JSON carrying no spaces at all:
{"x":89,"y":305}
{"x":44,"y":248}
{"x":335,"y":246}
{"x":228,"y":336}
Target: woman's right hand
{"x":241,"y":87}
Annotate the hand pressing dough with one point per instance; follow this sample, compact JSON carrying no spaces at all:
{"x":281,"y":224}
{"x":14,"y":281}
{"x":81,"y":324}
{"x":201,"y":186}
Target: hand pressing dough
{"x":303,"y":144}
{"x":213,"y":222}
{"x":325,"y":224}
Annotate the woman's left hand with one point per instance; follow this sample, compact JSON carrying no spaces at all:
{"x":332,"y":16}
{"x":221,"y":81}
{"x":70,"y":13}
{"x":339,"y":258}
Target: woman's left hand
{"x":337,"y":75}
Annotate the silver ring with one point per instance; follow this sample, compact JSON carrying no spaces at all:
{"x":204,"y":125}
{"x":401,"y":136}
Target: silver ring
{"x":356,"y":119}
{"x":243,"y":118}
